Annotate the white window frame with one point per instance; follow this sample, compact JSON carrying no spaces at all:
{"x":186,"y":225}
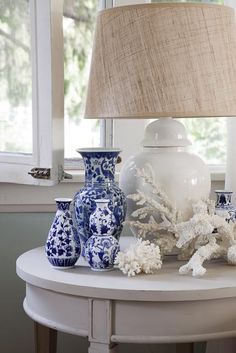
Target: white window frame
{"x":47,"y":99}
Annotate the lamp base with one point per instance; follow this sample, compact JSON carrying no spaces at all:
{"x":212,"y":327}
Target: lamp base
{"x":183,"y":176}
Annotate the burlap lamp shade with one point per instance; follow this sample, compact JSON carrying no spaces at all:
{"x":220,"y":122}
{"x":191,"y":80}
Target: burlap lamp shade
{"x":157,"y":60}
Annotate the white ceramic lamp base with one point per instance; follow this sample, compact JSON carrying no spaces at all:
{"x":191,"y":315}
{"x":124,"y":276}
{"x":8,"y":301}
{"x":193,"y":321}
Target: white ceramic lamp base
{"x":183,"y":176}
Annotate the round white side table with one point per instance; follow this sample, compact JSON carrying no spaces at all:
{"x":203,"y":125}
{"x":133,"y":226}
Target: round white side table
{"x":108,"y":307}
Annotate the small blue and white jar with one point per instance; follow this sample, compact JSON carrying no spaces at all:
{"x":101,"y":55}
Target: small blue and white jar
{"x":101,"y":248}
{"x":63,"y":244}
{"x":101,"y":251}
{"x":224,"y":205}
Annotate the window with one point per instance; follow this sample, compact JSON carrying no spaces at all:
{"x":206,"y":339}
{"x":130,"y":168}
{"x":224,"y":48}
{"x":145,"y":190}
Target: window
{"x":209,"y":139}
{"x":32,"y":93}
{"x":36,"y":56}
{"x":16,"y":78}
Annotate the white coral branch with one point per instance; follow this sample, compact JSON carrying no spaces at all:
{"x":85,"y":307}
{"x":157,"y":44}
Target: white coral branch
{"x":195,"y":264}
{"x":157,"y":206}
{"x":204,"y":236}
{"x":198,"y":225}
{"x":142,"y":212}
{"x":147,"y":175}
{"x":140,"y":257}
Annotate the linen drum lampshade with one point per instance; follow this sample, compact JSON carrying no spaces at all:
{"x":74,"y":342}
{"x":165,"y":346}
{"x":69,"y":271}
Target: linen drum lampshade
{"x":158,"y":60}
{"x":164,"y":60}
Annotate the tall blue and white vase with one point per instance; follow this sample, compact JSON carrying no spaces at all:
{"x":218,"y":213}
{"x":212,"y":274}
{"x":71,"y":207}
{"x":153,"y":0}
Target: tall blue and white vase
{"x":63,"y":244}
{"x":101,"y":248}
{"x":99,"y":184}
{"x":224,"y":205}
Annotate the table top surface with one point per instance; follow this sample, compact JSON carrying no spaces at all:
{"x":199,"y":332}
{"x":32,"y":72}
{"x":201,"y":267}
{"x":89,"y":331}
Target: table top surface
{"x":165,"y":285}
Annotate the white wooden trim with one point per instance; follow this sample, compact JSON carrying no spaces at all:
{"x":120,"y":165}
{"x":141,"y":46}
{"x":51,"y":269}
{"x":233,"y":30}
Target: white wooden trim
{"x":13,"y":158}
{"x":27,"y":208}
{"x":49,"y":103}
{"x":47,"y":97}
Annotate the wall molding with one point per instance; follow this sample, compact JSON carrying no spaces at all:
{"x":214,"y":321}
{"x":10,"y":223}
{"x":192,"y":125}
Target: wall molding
{"x":27,"y":208}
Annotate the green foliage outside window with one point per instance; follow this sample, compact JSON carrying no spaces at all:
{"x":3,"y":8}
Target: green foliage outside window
{"x":208,"y":137}
{"x":15,"y":77}
{"x":79,"y":23}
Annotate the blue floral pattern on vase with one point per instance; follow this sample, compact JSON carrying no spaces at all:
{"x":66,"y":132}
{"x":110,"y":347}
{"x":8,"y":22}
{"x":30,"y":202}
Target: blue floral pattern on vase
{"x":224,"y":205}
{"x":99,"y":184}
{"x":102,"y":220}
{"x":63,"y":244}
{"x":100,"y":252}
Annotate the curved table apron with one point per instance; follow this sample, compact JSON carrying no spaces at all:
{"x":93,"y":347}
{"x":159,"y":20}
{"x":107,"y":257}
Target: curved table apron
{"x":109,"y":307}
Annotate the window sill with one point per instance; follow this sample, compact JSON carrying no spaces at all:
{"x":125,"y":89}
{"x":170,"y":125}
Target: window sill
{"x":217,"y":174}
{"x":78,"y":177}
{"x":26,"y":198}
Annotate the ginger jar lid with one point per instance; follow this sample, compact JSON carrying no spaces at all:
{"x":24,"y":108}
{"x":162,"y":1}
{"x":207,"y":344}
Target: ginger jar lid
{"x":165,"y":132}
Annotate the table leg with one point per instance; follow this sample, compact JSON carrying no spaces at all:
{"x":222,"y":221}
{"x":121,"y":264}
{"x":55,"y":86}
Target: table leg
{"x":45,"y":339}
{"x":95,"y":347}
{"x":185,"y":348}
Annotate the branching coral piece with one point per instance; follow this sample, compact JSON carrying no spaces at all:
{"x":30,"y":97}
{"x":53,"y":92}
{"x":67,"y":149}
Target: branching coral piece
{"x":140,"y":257}
{"x":147,"y":175}
{"x":231,"y":255}
{"x":154,"y":205}
{"x":203,"y":253}
{"x":204,"y":236}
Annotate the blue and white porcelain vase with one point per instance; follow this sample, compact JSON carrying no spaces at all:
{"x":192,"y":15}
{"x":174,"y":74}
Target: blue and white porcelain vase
{"x":102,"y":220}
{"x":224,"y":205}
{"x":101,"y":251}
{"x":101,"y":248}
{"x":99,"y":184}
{"x":63,"y":244}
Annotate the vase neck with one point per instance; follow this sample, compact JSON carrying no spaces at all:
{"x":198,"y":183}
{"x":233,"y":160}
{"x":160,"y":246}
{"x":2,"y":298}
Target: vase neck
{"x":102,"y":203}
{"x":99,"y":167}
{"x":63,"y":204}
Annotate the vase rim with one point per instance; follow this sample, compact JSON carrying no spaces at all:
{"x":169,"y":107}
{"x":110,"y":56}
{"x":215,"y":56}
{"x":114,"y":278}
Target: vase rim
{"x":98,"y":149}
{"x":102,"y":200}
{"x":224,"y":191}
{"x":63,"y":199}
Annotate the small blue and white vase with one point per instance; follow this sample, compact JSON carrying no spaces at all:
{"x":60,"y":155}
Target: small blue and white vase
{"x":101,"y":251}
{"x":63,"y":244}
{"x":99,"y":184}
{"x":102,"y":221}
{"x":224,"y":205}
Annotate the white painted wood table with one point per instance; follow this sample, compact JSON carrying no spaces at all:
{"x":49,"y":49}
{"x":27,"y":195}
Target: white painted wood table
{"x":108,"y":307}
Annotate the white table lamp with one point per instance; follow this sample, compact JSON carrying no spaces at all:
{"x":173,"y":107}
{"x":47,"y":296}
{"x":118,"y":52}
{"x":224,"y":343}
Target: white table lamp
{"x":160,"y":61}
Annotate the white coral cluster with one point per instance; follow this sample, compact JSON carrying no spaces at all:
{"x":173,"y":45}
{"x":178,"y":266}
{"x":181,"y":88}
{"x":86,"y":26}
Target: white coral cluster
{"x":203,"y":237}
{"x":140,"y":257}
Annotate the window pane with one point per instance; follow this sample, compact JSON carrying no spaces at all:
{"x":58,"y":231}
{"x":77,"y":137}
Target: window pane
{"x":15,"y":77}
{"x":79,"y":23}
{"x":208,"y":137}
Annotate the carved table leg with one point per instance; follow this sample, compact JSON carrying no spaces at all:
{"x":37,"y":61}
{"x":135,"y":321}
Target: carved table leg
{"x":45,"y":339}
{"x":102,"y":348}
{"x":225,"y":345}
{"x":185,"y":348}
{"x":100,"y":326}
